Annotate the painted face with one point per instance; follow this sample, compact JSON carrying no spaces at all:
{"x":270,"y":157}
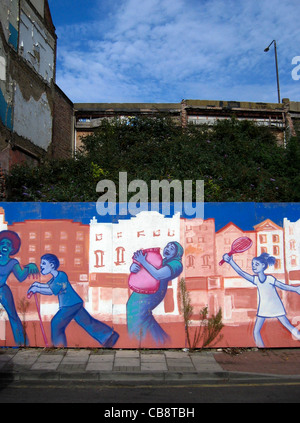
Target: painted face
{"x":46,"y":267}
{"x":5,"y":247}
{"x":257,"y":266}
{"x":170,"y":250}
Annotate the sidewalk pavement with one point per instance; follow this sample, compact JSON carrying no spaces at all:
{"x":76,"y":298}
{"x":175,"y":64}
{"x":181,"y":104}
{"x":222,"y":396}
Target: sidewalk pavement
{"x":112,"y":366}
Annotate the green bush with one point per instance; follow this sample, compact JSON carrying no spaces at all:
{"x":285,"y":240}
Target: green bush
{"x":238,"y":161}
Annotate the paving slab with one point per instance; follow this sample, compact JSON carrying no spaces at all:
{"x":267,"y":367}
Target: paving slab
{"x":47,"y":362}
{"x":72,"y":367}
{"x":5,"y":359}
{"x":75,"y":358}
{"x":126,"y":364}
{"x":176,"y":354}
{"x":143,"y":366}
{"x":179,"y":362}
{"x":153,"y":362}
{"x":100,"y":363}
{"x":77,"y":354}
{"x":24,"y":358}
{"x":154,"y":367}
{"x":127,"y":354}
{"x":205,"y":363}
{"x":153,"y":358}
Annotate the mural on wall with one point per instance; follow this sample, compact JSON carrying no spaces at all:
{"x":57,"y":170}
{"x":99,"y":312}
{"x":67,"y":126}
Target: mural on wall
{"x":146,"y":297}
{"x":70,"y":306}
{"x":10,"y":244}
{"x":72,"y":278}
{"x":270,"y":305}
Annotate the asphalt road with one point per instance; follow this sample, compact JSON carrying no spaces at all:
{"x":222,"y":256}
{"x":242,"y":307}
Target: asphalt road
{"x":140,"y":397}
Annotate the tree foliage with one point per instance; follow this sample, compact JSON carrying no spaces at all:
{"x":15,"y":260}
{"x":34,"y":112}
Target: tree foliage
{"x":238,"y":161}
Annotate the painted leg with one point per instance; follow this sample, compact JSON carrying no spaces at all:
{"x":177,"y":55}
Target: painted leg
{"x":287,"y":324}
{"x":60,"y":322}
{"x":257,"y":328}
{"x":134,"y":321}
{"x":140,"y":320}
{"x":103,"y":333}
{"x":6,"y":299}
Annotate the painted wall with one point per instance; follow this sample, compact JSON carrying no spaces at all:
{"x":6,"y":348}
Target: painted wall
{"x":6,"y":89}
{"x":26,"y":124}
{"x":6,"y":93}
{"x":26,"y":79}
{"x":9,"y":12}
{"x":36,"y":45}
{"x":9,"y":15}
{"x":33,"y":113}
{"x":85,"y":290}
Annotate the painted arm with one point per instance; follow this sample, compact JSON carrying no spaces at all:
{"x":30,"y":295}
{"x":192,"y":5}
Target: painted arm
{"x":286,"y":287}
{"x":28,"y":271}
{"x":135,"y":268}
{"x":163,"y":273}
{"x":39,"y":288}
{"x":239,"y":271}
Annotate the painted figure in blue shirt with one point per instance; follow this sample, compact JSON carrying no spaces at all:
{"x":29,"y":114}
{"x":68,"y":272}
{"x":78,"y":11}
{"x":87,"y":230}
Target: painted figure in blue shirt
{"x":140,"y":320}
{"x":70,"y":306}
{"x":10,"y":244}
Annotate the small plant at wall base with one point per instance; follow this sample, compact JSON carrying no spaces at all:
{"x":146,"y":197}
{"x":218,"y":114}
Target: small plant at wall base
{"x":208,"y":331}
{"x":23,"y":306}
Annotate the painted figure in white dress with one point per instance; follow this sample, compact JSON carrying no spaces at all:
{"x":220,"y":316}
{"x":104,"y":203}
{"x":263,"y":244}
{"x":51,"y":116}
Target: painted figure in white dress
{"x":270,"y":304}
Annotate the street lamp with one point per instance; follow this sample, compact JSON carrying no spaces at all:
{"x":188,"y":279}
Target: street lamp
{"x":276,"y":62}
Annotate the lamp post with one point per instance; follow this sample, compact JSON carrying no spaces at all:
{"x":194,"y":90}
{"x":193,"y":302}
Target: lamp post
{"x":276,"y":63}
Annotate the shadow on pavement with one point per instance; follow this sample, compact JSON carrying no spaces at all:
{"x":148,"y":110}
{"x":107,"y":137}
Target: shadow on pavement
{"x":7,"y":375}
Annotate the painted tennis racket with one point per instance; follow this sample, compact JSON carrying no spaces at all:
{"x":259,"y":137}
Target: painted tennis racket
{"x":239,"y":246}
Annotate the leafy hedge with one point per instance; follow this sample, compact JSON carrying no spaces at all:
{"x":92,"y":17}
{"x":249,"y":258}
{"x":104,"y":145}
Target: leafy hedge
{"x":238,"y":161}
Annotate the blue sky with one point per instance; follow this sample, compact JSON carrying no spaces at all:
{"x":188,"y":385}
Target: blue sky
{"x":169,"y":50}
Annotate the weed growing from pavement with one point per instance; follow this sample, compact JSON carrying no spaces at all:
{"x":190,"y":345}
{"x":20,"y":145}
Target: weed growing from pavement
{"x":208,"y":331}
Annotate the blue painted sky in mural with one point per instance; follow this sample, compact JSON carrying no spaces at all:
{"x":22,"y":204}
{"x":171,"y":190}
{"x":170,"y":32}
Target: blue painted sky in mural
{"x":166,"y":51}
{"x":244,"y":215}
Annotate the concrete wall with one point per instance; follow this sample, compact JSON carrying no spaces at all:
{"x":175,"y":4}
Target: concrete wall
{"x":282,"y":118}
{"x":295,"y":114}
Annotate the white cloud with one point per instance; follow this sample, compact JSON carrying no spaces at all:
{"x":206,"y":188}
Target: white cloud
{"x":166,"y":50}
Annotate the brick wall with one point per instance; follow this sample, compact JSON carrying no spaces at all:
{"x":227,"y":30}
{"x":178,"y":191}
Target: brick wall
{"x":63,"y":127}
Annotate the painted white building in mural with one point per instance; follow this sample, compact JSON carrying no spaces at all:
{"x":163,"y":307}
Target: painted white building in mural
{"x":270,"y":239}
{"x":3,"y":223}
{"x":112,"y":245}
{"x":292,"y":248}
{"x":111,"y":249}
